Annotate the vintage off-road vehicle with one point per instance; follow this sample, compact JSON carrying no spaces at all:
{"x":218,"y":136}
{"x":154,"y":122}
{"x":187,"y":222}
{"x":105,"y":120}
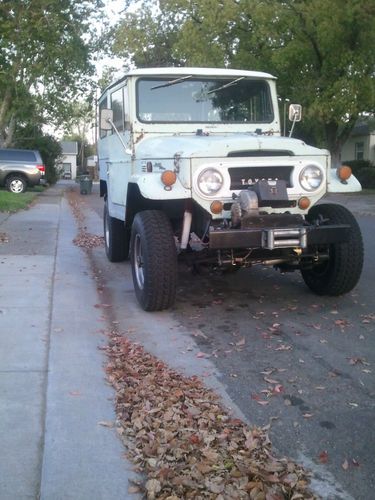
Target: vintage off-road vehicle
{"x":192,"y":162}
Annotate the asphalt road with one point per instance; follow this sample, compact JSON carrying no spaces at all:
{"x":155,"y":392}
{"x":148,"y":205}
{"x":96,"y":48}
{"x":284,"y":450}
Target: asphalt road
{"x":282,"y":355}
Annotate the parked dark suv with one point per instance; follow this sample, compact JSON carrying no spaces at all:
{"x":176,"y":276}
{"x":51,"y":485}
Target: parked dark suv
{"x":20,"y":168}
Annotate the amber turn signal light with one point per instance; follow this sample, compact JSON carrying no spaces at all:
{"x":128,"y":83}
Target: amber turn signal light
{"x":216,"y":207}
{"x":168,"y":177}
{"x":344,"y":172}
{"x":303,"y":203}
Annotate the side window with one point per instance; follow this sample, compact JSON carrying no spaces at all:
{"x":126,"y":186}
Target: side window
{"x":126,"y":108}
{"x":102,"y":105}
{"x":14,"y":155}
{"x":117,"y":105}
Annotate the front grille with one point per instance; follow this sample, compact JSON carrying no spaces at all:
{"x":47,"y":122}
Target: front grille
{"x":256,"y":153}
{"x":242,"y":177}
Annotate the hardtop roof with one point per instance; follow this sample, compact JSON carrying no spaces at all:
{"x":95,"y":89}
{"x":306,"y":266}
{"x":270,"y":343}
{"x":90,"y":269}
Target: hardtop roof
{"x":176,"y":71}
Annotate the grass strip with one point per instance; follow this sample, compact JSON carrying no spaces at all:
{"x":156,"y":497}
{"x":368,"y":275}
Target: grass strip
{"x":10,"y":202}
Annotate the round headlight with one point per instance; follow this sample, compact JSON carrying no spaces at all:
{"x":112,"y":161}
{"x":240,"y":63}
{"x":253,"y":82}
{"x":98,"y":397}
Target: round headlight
{"x":210,"y":181}
{"x":311,"y":177}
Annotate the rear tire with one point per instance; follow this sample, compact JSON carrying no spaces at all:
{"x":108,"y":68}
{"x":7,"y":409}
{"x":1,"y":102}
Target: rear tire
{"x":16,"y":184}
{"x":116,"y":237}
{"x":341,"y":273}
{"x":153,"y":260}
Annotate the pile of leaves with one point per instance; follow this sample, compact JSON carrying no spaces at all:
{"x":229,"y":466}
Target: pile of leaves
{"x":84,"y":239}
{"x":176,"y":430}
{"x":87,"y":240}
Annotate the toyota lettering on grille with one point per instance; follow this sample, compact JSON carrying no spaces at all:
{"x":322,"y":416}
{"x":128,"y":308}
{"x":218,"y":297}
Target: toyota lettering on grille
{"x":251,"y":182}
{"x":248,"y":176}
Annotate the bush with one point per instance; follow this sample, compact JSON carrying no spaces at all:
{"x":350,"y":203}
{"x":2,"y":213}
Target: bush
{"x":366,"y":177}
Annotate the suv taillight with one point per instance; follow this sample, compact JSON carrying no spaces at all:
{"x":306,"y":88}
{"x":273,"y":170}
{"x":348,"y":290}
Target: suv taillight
{"x":41,"y":168}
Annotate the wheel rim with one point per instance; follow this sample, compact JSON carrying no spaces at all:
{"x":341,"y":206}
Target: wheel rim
{"x":138,"y":262}
{"x":16,"y":186}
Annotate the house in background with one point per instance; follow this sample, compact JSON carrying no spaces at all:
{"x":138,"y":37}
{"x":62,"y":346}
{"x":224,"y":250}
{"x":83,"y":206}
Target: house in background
{"x":69,"y":159}
{"x":361,"y":143}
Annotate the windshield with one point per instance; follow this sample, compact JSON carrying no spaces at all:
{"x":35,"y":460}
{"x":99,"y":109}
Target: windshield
{"x":203,"y":100}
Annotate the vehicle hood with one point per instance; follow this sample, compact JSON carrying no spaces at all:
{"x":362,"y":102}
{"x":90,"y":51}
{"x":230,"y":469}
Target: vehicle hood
{"x":210,"y":146}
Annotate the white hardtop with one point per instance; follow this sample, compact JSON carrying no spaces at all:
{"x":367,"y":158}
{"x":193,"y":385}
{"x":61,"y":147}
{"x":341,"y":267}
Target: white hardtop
{"x":198,"y":72}
{"x":177,"y":71}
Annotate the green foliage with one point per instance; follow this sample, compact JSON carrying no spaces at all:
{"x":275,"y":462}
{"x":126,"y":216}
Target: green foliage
{"x":366,"y":177}
{"x":44,"y":60}
{"x":146,"y":38}
{"x":364,"y":171}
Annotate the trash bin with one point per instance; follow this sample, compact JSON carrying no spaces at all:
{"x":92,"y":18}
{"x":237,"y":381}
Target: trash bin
{"x":85,"y":185}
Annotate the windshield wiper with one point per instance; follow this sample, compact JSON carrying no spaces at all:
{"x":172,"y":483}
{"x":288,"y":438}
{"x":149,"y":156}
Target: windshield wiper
{"x":233,"y":82}
{"x":172,"y":82}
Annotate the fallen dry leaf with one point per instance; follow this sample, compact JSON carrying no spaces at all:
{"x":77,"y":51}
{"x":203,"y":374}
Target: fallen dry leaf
{"x":4,"y":238}
{"x":106,"y":423}
{"x":323,"y":457}
{"x":201,"y":355}
{"x":241,"y":342}
{"x":284,"y":347}
{"x":357,"y":360}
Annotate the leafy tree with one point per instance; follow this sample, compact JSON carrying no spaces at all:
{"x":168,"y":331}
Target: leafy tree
{"x":322,"y":52}
{"x":152,"y":46}
{"x":324,"y":55}
{"x":79,"y":127}
{"x":44,"y":59}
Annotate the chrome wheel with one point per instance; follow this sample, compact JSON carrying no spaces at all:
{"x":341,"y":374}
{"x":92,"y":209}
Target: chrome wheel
{"x":138,"y":261}
{"x":16,"y":185}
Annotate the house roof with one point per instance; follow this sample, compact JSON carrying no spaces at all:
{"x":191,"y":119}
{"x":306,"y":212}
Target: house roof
{"x":364,"y":127}
{"x":69,"y":147}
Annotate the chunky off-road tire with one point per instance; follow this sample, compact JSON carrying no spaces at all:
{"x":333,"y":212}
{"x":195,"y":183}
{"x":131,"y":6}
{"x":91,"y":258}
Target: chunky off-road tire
{"x":341,"y":272}
{"x":116,"y":237}
{"x":153,"y":260}
{"x":16,"y":184}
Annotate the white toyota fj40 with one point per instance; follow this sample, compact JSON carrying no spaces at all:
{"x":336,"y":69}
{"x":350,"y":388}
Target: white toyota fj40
{"x":192,"y":162}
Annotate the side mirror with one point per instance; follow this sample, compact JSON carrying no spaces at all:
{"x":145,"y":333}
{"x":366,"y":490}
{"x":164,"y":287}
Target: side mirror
{"x":106,"y":117}
{"x":295,"y":112}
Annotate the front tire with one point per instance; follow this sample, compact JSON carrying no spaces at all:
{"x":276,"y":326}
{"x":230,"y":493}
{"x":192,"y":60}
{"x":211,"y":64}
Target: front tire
{"x":153,"y":260}
{"x":341,"y":272}
{"x":116,"y":237}
{"x":16,"y":184}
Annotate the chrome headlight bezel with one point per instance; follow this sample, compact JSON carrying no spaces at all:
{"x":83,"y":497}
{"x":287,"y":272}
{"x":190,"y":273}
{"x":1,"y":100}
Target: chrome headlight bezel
{"x":311,"y":177}
{"x":207,"y":186}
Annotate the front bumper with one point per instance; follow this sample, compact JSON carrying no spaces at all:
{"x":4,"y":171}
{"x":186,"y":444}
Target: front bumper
{"x":271,"y":238}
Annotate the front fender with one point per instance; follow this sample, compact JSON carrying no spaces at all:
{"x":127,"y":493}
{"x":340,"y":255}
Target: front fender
{"x":152,"y":188}
{"x":335,"y":185}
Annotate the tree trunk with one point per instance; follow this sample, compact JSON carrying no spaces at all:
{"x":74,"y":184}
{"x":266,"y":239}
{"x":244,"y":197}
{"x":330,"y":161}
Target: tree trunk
{"x":4,"y":108}
{"x":10,"y":132}
{"x":336,"y":136}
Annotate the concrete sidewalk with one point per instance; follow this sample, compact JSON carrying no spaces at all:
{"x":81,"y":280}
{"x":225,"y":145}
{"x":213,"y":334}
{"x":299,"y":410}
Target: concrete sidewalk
{"x":53,"y":394}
